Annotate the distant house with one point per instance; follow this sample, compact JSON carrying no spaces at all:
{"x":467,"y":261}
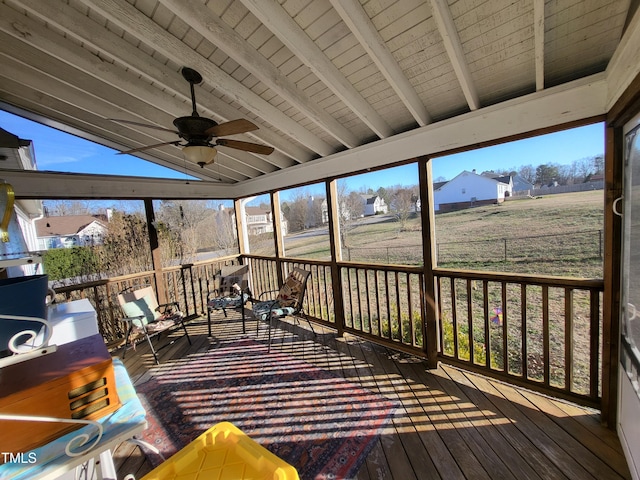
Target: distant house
{"x":373,"y":204}
{"x":317,"y":212}
{"x":416,"y":205}
{"x":70,"y":231}
{"x":260,"y":220}
{"x":519,"y":184}
{"x":468,"y":189}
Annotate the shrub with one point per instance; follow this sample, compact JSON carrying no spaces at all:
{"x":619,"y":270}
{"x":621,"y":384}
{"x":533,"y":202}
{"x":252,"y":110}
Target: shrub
{"x":70,"y":263}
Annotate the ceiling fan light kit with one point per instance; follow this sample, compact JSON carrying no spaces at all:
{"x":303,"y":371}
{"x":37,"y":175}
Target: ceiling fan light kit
{"x":199,"y":132}
{"x":200,"y":154}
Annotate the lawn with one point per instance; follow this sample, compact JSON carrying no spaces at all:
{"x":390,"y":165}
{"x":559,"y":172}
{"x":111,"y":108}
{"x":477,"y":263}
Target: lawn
{"x":551,"y":235}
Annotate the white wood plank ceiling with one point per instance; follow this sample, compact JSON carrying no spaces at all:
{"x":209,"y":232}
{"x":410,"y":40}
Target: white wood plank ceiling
{"x":319,"y":77}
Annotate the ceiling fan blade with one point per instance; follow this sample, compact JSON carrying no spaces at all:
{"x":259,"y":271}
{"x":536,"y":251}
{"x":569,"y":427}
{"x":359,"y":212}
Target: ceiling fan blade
{"x":146,"y":125}
{"x":231,"y":128}
{"x":246,"y":146}
{"x":147,"y":147}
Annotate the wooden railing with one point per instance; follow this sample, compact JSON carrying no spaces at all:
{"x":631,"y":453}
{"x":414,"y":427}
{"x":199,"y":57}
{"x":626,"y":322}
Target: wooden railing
{"x":385,"y":303}
{"x":187,"y":284}
{"x":539,"y":331}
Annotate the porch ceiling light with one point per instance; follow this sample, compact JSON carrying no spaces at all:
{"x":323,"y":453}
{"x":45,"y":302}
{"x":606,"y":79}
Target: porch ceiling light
{"x":200,"y":154}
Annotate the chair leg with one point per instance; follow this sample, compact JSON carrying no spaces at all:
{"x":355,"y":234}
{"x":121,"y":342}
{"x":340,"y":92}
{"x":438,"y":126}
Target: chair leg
{"x":153,"y":350}
{"x":308,"y":321}
{"x":126,"y":340}
{"x":184,"y":327}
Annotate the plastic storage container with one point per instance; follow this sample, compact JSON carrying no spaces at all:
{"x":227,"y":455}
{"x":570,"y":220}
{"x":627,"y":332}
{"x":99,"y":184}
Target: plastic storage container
{"x":223,"y":452}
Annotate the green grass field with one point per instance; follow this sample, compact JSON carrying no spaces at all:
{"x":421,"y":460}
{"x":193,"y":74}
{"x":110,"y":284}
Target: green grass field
{"x":545,"y":224}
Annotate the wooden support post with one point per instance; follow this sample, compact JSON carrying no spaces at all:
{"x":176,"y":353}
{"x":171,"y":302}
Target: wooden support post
{"x":278,"y":242}
{"x":613,"y":185}
{"x":431,"y":333}
{"x":241,"y":227}
{"x":336,"y":254}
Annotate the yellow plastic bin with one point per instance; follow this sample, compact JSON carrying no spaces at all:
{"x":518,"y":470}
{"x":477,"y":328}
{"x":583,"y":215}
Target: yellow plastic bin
{"x":223,"y":452}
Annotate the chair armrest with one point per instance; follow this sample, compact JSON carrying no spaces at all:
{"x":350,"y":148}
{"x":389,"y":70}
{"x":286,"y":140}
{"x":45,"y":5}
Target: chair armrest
{"x":168,"y":304}
{"x":267,"y":292}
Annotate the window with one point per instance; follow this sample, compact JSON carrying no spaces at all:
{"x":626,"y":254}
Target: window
{"x":379,"y":217}
{"x":515,"y":221}
{"x":307,"y":215}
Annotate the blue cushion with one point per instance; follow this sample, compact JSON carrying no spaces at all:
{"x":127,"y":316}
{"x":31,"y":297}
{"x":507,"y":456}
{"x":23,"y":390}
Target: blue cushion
{"x":140,"y":307}
{"x":228,"y":302}
{"x":263,"y":309}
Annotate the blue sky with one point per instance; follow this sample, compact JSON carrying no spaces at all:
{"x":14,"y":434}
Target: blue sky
{"x":59,"y":151}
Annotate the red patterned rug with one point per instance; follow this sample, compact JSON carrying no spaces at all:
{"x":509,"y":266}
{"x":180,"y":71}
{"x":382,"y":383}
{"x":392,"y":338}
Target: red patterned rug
{"x":320,"y":423}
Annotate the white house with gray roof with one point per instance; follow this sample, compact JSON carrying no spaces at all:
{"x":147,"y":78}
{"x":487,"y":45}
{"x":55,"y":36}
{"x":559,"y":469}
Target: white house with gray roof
{"x":468,"y":189}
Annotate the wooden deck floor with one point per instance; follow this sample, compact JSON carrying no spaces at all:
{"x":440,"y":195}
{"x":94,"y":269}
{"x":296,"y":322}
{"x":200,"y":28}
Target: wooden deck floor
{"x":452,"y":424}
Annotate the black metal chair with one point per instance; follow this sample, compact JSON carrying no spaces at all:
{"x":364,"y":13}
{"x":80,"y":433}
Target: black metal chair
{"x":288,"y":301}
{"x":231,"y":291}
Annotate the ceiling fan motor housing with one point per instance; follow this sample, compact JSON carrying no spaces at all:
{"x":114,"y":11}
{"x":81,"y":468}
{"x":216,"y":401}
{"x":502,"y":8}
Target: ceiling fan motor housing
{"x":193,"y":129}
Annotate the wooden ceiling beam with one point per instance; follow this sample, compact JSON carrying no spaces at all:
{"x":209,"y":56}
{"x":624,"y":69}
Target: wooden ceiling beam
{"x":449,"y":34}
{"x":538,"y":39}
{"x":361,"y":26}
{"x":67,"y":18}
{"x":273,"y":16}
{"x":135,"y":23}
{"x":215,"y":30}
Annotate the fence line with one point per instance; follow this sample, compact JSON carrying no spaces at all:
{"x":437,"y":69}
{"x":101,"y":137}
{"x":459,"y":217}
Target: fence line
{"x":575,"y":245}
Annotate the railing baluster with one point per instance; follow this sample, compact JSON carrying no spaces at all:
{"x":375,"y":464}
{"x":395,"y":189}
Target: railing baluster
{"x":386,"y":291}
{"x":367,"y":294}
{"x":594,"y":330}
{"x":523,"y":330}
{"x":505,"y":329}
{"x":568,"y":339}
{"x":546,"y":341}
{"x":454,"y":317}
{"x":470,"y":321}
{"x":412,"y":334}
{"x":378,"y":318}
{"x":487,"y":327}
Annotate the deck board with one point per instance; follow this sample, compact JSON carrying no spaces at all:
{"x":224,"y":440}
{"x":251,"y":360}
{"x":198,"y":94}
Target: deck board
{"x":449,"y":423}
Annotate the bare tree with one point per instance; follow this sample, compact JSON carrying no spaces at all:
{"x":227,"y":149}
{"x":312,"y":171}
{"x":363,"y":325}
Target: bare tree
{"x":350,"y":207}
{"x":528,"y":173}
{"x":180,"y":233}
{"x":64,"y":208}
{"x":583,"y":168}
{"x":298,"y":210}
{"x":402,"y":203}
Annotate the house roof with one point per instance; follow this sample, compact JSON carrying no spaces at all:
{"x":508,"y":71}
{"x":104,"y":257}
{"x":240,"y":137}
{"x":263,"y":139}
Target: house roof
{"x":65,"y":225}
{"x":335,"y":87}
{"x":370,"y":199}
{"x":249,"y":210}
{"x":465,"y":174}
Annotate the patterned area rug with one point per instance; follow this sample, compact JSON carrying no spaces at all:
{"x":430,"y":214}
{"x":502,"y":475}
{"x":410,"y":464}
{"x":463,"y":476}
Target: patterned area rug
{"x":320,"y":423}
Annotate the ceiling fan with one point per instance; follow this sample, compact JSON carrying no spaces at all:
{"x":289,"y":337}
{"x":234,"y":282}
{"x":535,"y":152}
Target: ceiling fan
{"x":199,"y":132}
